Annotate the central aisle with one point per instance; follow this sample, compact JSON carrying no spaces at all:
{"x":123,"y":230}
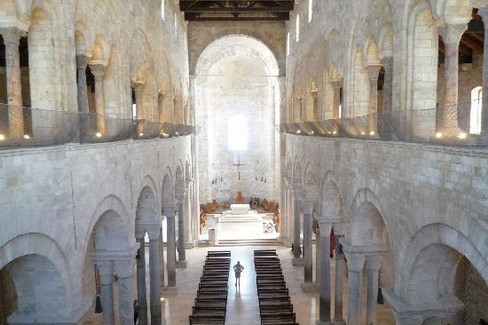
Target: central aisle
{"x":242,"y":302}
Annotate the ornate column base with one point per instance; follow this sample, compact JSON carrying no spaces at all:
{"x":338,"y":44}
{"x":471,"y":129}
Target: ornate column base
{"x":297,"y":261}
{"x":181,"y":264}
{"x":309,"y":287}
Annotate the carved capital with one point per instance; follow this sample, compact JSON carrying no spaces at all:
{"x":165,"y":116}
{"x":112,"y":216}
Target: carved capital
{"x":81,"y":61}
{"x":98,"y":70}
{"x":452,"y":33}
{"x":11,"y":35}
{"x":374,"y":71}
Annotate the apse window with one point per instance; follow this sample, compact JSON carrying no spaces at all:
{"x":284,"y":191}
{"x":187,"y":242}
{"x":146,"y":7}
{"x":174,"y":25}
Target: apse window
{"x":288,"y":44}
{"x":237,"y":133}
{"x":310,"y":10}
{"x":297,"y":28}
{"x":475,"y":113}
{"x":163,"y":9}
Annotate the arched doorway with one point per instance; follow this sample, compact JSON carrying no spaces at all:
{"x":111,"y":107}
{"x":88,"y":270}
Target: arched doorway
{"x":236,"y":93}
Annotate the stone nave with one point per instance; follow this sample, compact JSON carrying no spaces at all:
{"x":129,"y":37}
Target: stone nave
{"x":119,"y":119}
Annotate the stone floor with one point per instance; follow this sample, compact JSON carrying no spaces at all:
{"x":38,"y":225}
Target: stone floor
{"x":242,"y":303}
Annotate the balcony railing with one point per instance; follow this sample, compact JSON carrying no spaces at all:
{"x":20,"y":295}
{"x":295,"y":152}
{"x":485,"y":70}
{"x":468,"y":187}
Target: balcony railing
{"x":405,"y":126}
{"x":26,"y":127}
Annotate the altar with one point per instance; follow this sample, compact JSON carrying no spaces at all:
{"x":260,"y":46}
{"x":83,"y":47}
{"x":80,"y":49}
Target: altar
{"x":240,"y":222}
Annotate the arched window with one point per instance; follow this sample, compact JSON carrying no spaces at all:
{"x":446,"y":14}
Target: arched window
{"x":476,"y":107}
{"x":237,"y":133}
{"x":288,"y":44}
{"x":163,"y":9}
{"x":310,"y":10}
{"x":297,"y":28}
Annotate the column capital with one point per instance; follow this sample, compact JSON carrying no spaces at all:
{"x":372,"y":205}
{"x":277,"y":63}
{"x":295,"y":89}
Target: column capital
{"x":373,"y":262}
{"x":374,"y":71}
{"x":336,"y":84}
{"x":98,"y":70}
{"x":452,"y":33}
{"x":124,"y":268}
{"x":137,"y":85}
{"x":81,"y":61}
{"x":169,"y":212}
{"x":105,"y":268}
{"x":11,"y":35}
{"x":355,"y":262}
{"x":154,"y":232}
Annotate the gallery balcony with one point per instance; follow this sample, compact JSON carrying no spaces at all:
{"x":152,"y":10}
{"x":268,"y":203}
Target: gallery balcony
{"x":28,"y":127}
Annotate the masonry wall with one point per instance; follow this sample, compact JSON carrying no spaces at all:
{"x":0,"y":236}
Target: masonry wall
{"x":55,"y":192}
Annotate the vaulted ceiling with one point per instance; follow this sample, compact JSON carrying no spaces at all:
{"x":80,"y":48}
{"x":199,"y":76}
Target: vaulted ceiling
{"x":236,"y":10}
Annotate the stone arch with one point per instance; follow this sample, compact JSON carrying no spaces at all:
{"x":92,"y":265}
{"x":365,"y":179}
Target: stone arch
{"x":372,"y":53}
{"x":359,"y":85}
{"x":330,"y":198}
{"x":297,"y":175}
{"x":385,"y":40}
{"x":109,"y":203}
{"x":140,"y":56}
{"x":277,"y":53}
{"x":310,"y":183}
{"x":251,"y":47}
{"x":8,"y":9}
{"x":369,"y":230}
{"x":32,"y":260}
{"x":454,"y":11}
{"x":167,"y":193}
{"x":99,"y":52}
{"x":179,"y":181}
{"x":147,"y":212}
{"x":436,"y":242}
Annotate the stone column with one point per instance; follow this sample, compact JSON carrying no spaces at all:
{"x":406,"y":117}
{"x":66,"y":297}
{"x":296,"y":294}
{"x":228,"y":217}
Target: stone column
{"x":373,"y":266}
{"x":81,"y":64}
{"x":483,"y":12}
{"x":339,"y":262}
{"x":105,"y":269}
{"x":448,"y":115}
{"x":98,"y":71}
{"x":373,"y":72}
{"x":141,"y":280}
{"x":296,"y":230}
{"x":387,"y":118}
{"x":355,"y":264}
{"x":181,"y":232}
{"x":138,"y":87}
{"x":318,"y":251}
{"x":325,"y":292}
{"x":11,"y":38}
{"x":161,"y":259}
{"x":315,"y":106}
{"x":307,"y":245}
{"x":154,"y":277}
{"x":126,"y":305}
{"x":189,"y":240}
{"x":336,"y":85}
{"x":387,"y":63}
{"x":171,"y":249}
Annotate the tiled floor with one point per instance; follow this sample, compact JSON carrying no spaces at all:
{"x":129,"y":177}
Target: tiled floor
{"x":242,"y":303}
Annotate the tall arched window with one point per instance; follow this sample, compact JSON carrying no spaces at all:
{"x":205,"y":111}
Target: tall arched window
{"x":288,"y":44}
{"x":476,"y":107}
{"x":163,"y":9}
{"x":237,"y":133}
{"x":297,"y":28}
{"x":310,"y":10}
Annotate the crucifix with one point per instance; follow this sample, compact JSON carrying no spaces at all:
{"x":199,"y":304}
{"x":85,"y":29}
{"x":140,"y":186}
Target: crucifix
{"x":237,"y":162}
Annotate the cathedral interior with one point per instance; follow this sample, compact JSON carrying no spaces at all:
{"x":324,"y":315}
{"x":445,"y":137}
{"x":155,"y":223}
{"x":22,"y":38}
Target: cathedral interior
{"x":341,"y":143}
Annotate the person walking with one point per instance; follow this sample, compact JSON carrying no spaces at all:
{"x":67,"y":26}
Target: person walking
{"x":238,"y":268}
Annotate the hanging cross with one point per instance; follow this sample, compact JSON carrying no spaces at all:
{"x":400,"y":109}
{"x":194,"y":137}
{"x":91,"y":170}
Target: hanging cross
{"x":238,"y":164}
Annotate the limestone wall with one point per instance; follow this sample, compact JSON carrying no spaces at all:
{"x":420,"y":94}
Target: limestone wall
{"x":52,"y":198}
{"x":425,"y":195}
